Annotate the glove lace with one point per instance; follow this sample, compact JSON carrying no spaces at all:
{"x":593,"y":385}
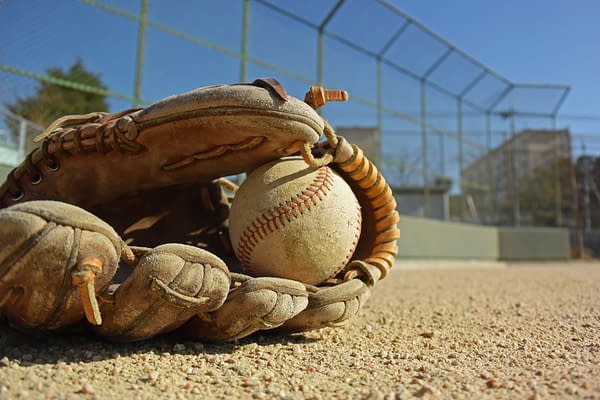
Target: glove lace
{"x":328,"y":156}
{"x":69,"y":135}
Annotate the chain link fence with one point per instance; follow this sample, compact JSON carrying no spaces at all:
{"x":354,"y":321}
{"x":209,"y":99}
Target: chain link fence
{"x":456,"y":139}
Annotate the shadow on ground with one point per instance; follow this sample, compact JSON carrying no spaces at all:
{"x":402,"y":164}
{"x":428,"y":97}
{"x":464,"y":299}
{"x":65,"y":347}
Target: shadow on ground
{"x":51,"y":348}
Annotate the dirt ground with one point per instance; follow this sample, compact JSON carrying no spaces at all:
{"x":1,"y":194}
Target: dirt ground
{"x":430,"y":330}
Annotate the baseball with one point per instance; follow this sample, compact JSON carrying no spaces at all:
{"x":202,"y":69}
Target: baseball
{"x":292,"y":221}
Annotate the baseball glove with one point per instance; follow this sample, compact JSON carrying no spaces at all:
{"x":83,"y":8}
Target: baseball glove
{"x":119,"y":222}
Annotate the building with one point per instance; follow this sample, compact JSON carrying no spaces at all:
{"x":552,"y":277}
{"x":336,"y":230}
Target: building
{"x":411,"y":200}
{"x":367,"y":138}
{"x":498,"y":177}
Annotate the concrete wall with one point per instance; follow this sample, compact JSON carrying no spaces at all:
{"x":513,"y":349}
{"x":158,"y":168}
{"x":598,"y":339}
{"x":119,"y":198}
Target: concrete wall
{"x":413,"y":203}
{"x":428,"y":238}
{"x":432,"y":239}
{"x":534,"y":243}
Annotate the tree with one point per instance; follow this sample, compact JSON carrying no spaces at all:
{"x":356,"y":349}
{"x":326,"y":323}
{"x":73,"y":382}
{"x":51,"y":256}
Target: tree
{"x":538,"y":194}
{"x":52,"y":101}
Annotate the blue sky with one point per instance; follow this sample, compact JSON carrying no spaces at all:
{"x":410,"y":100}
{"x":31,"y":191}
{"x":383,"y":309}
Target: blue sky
{"x":530,"y":41}
{"x":526,"y":40}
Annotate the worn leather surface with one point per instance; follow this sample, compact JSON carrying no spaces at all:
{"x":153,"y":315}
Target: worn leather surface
{"x":193,"y":137}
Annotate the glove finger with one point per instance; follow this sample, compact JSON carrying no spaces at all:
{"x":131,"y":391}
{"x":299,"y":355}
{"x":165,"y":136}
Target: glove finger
{"x":259,"y":303}
{"x":45,"y":246}
{"x":330,"y":306}
{"x":168,"y":286}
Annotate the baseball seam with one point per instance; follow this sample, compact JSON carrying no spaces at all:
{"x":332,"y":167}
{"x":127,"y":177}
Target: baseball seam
{"x":354,"y":242}
{"x":285,"y":212}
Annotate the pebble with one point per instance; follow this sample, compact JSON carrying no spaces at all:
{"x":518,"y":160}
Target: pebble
{"x":424,"y":390}
{"x":153,"y":376}
{"x":492,"y":383}
{"x":88,"y":389}
{"x":570,"y":389}
{"x":178,"y":348}
{"x":375,"y":395}
{"x":384,"y":353}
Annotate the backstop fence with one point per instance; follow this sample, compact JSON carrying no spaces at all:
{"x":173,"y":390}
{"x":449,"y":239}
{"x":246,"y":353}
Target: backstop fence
{"x":456,"y":139}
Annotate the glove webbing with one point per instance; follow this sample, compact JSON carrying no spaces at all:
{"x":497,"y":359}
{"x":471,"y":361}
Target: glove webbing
{"x":381,"y":200}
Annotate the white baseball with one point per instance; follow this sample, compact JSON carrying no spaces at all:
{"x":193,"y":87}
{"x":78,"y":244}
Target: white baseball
{"x":293,"y":221}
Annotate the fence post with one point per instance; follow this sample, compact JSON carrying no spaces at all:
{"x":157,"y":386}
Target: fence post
{"x":492,"y":194}
{"x":515,"y":159}
{"x":244,"y":42}
{"x":424,"y":161}
{"x":459,"y":134}
{"x":557,"y":176}
{"x":139,"y":61}
{"x":22,"y":137}
{"x":378,"y":94}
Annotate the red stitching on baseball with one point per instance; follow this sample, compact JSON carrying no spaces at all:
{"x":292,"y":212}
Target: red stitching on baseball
{"x":285,"y":212}
{"x":354,"y":242}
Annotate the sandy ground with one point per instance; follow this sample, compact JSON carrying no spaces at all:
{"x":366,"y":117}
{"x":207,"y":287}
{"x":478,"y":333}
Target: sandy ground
{"x":430,"y":330}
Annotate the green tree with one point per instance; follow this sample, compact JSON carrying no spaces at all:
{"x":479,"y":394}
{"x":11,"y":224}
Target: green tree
{"x":51,"y":101}
{"x":538,"y":194}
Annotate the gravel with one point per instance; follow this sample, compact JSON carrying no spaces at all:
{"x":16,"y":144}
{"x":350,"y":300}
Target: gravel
{"x":430,"y":330}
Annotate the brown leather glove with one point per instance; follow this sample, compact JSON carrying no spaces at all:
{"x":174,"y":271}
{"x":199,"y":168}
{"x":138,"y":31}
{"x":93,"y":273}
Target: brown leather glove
{"x":121,"y":219}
